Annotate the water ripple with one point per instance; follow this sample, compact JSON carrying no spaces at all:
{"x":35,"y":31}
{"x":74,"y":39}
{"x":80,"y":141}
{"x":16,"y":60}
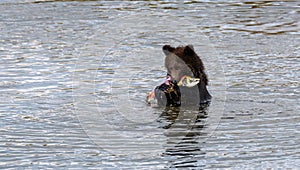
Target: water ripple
{"x":40,"y":44}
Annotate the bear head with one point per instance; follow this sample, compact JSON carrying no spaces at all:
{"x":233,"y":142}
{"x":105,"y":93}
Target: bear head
{"x":183,"y":61}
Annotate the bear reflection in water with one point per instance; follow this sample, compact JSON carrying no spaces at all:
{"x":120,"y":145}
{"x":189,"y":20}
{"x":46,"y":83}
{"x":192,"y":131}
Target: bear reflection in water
{"x":186,"y":79}
{"x":184,"y":129}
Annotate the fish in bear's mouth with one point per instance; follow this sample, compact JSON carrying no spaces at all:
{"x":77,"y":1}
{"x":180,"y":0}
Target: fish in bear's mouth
{"x":185,"y":81}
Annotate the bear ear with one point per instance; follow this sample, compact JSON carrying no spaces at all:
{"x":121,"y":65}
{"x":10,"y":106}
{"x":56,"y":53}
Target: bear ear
{"x":167,"y":49}
{"x":189,"y":50}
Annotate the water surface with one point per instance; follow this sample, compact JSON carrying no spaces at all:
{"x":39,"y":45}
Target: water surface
{"x":64,"y":65}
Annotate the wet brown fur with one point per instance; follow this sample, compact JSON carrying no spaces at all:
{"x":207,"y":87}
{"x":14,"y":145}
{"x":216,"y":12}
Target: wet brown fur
{"x":191,"y":59}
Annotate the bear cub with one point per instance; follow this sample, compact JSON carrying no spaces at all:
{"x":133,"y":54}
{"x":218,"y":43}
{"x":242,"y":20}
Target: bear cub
{"x":183,"y":67}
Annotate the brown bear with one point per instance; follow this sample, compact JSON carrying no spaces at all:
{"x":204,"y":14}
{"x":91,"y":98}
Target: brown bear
{"x":182,"y":62}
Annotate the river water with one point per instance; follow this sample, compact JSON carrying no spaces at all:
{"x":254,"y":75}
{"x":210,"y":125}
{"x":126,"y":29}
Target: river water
{"x":74,"y":76}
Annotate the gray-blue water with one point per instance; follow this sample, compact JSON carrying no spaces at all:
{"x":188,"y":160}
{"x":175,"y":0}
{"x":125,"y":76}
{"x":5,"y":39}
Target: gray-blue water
{"x":74,"y":77}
